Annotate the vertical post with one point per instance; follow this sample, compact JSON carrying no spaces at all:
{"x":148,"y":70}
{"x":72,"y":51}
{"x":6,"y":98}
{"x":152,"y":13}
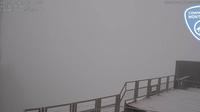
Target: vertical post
{"x":117,"y":103}
{"x":125,"y":106}
{"x":167,"y":83}
{"x":136,"y":90}
{"x":159,"y":84}
{"x":175,"y":82}
{"x":45,"y":109}
{"x":125,"y":86}
{"x":98,"y":105}
{"x":42,"y":109}
{"x":149,"y":88}
{"x":73,"y":107}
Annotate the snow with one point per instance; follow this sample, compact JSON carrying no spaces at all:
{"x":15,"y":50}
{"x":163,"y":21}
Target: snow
{"x":177,"y":100}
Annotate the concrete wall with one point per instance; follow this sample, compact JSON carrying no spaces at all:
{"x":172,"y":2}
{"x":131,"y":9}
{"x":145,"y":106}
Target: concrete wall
{"x":60,"y":51}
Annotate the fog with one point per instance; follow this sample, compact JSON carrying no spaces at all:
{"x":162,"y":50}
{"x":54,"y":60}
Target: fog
{"x":61,"y":51}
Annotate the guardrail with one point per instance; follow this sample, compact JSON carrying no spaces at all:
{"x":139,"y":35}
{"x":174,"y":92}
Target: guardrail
{"x":151,"y":86}
{"x":146,"y":88}
{"x":95,"y":105}
{"x":181,"y":80}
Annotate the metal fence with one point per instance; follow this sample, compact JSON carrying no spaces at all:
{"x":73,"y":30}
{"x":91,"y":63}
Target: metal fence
{"x":135,"y":90}
{"x":130,"y":92}
{"x":92,"y":105}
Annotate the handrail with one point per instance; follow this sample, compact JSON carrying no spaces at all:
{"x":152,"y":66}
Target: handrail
{"x":118,"y":97}
{"x":149,"y":85}
{"x":123,"y":89}
{"x":184,"y":77}
{"x":83,"y":101}
{"x":157,"y":77}
{"x":68,"y":104}
{"x":179,"y":81}
{"x":32,"y":109}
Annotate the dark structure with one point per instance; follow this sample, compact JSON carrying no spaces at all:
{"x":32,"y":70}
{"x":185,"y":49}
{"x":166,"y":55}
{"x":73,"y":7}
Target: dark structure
{"x":187,"y":68}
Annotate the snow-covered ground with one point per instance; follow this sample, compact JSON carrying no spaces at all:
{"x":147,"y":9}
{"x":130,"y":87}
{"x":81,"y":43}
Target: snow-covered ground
{"x":176,"y":100}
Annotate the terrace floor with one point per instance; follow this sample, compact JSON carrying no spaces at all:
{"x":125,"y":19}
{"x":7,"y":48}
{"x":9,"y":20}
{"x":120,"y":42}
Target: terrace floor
{"x":177,"y":100}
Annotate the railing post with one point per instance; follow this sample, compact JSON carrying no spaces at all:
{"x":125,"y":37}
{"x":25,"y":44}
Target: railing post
{"x":125,"y":86}
{"x":124,"y":105}
{"x":42,"y":109}
{"x":175,"y":82}
{"x":45,"y":109}
{"x":73,"y":107}
{"x":149,"y":88}
{"x":167,"y":83}
{"x":117,"y":103}
{"x":123,"y":93}
{"x":98,"y":105}
{"x":136,"y":90}
{"x":159,"y":85}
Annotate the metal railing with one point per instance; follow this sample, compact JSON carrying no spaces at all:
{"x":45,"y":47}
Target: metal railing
{"x":152,"y":86}
{"x":73,"y":107}
{"x":180,"y":82}
{"x":146,"y":88}
{"x":187,"y":81}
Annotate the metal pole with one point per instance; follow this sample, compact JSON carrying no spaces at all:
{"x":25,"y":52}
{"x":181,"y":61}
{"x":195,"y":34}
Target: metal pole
{"x":159,"y":84}
{"x":73,"y":107}
{"x":167,"y":83}
{"x":45,"y":109}
{"x":42,"y":109}
{"x":149,"y":88}
{"x":136,"y":90}
{"x":117,"y":103}
{"x":98,"y":105}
